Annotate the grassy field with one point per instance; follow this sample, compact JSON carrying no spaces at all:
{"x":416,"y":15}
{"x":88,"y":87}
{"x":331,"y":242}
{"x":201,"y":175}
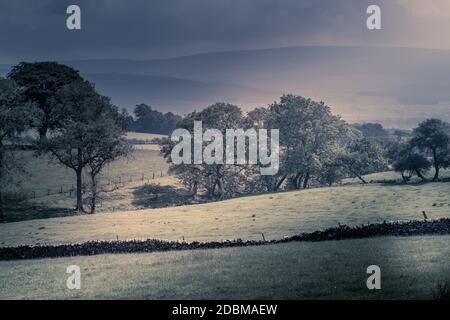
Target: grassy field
{"x":275,"y":215}
{"x":411,"y":268}
{"x":144,"y":136}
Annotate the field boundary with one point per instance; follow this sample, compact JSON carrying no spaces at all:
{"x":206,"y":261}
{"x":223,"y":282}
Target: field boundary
{"x":397,"y":228}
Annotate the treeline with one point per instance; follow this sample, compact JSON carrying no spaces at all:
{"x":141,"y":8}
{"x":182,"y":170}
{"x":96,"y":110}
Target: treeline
{"x":316,"y":148}
{"x":74,"y":125}
{"x":147,"y":120}
{"x":376,"y":131}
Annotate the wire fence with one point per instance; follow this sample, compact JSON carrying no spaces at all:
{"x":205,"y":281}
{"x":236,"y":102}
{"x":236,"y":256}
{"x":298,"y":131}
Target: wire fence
{"x":69,"y":190}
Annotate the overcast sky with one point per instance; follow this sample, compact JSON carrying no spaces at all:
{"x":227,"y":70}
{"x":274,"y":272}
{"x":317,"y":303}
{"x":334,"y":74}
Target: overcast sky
{"x":144,"y":29}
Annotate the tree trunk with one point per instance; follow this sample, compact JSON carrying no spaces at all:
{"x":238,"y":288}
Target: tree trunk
{"x":42,"y":134}
{"x":298,"y":180}
{"x":94,"y":193}
{"x":436,"y":166}
{"x":79,"y":206}
{"x":279,"y":183}
{"x":194,"y":188}
{"x":219,"y":185}
{"x":420,"y":175}
{"x":361,"y":178}
{"x":79,"y":172}
{"x":306,"y":181}
{"x":436,"y":173}
{"x":212,"y":190}
{"x":2,"y":215}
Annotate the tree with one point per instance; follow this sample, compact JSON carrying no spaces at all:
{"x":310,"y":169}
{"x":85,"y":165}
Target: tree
{"x":412,"y":163}
{"x":218,"y":180}
{"x":38,"y":83}
{"x":106,"y":146}
{"x":363,"y":156}
{"x":310,"y":138}
{"x":433,"y":136}
{"x":14,"y":119}
{"x":89,"y":133}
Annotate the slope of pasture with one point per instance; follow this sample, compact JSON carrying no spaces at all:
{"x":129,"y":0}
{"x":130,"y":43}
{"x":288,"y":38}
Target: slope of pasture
{"x":276,"y":215}
{"x":412,"y":267}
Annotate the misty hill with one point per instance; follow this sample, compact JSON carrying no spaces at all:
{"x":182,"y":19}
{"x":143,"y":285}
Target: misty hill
{"x":395,"y":86}
{"x":172,"y":94}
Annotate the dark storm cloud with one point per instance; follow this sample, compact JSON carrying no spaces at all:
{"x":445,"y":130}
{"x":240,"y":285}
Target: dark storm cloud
{"x":142,"y":28}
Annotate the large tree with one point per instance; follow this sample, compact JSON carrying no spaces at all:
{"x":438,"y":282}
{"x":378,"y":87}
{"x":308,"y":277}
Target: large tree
{"x":14,"y":119}
{"x":89,"y":133}
{"x":219,"y":180}
{"x":410,"y":163}
{"x":310,"y":138}
{"x":39,"y":82}
{"x":433,"y":137}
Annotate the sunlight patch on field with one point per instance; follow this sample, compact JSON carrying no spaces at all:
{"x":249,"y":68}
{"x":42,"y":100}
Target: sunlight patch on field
{"x":147,"y":147}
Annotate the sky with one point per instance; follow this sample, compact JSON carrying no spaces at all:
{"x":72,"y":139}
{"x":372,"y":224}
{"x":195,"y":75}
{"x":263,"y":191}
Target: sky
{"x":146,"y":29}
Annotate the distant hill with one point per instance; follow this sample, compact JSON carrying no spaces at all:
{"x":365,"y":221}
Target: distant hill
{"x":167,"y":93}
{"x":397,"y":87}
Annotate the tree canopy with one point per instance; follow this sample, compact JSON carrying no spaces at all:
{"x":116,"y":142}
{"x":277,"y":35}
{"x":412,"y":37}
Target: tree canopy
{"x":39,"y":82}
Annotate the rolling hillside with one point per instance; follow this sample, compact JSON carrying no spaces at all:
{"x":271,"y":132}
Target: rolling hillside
{"x":275,"y":215}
